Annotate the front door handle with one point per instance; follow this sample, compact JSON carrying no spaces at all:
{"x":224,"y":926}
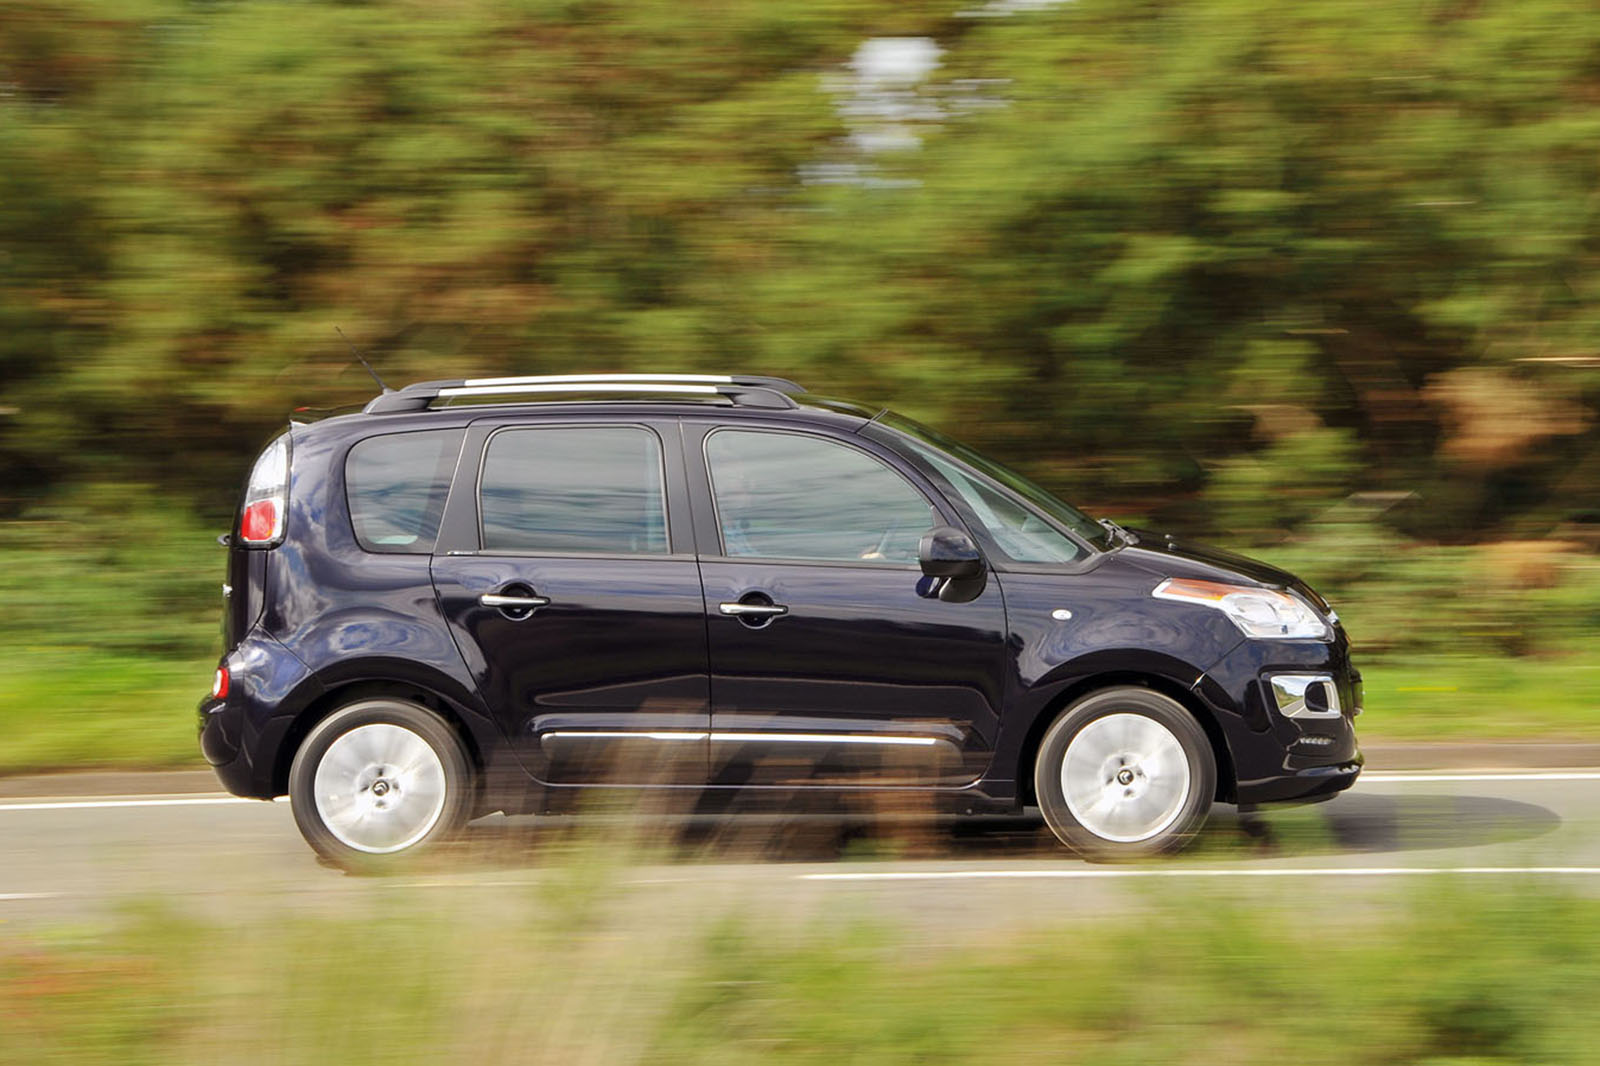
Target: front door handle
{"x":753,"y":610}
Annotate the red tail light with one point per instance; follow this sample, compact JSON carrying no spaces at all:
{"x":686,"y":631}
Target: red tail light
{"x":219,"y":684}
{"x":260,"y":521}
{"x":266,"y":497}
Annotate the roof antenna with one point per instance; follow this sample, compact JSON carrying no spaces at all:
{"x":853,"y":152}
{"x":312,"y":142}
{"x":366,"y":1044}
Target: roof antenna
{"x":357,"y":353}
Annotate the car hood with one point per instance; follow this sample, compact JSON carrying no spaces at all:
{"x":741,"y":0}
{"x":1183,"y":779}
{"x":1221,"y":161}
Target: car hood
{"x":1168,"y":556}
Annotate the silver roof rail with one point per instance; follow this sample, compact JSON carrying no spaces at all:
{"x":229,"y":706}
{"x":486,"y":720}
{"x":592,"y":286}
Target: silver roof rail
{"x":736,"y":389}
{"x":783,"y":385}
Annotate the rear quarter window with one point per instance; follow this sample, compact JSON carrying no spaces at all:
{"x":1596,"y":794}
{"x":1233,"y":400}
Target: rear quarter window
{"x":396,"y":485}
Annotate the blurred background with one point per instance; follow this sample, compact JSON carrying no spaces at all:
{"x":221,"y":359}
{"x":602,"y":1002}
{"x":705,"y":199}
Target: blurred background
{"x":1319,"y":281}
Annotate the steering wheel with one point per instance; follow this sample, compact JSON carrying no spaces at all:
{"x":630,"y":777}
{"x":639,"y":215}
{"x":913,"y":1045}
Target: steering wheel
{"x":883,"y":542}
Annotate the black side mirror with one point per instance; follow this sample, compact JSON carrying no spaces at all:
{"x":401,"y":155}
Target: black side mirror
{"x":947,"y":552}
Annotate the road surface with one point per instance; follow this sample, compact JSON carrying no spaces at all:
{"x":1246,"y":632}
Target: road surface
{"x":70,"y":858}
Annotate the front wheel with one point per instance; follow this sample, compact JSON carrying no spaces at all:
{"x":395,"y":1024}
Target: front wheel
{"x":1125,"y":773}
{"x":378,"y":781}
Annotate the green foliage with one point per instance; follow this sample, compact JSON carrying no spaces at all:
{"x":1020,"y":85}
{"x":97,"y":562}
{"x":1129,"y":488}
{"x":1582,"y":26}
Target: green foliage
{"x":1128,"y":226}
{"x":112,"y":569}
{"x":110,"y":631}
{"x":1284,"y":484}
{"x":1401,"y":597}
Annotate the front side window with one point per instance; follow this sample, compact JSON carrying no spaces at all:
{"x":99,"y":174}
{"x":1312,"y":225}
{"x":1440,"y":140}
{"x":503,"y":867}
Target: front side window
{"x":793,"y":496}
{"x":573,"y":489}
{"x":396,"y":486}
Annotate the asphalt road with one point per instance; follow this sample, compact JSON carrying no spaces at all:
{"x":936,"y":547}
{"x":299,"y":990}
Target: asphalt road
{"x":66,"y":858}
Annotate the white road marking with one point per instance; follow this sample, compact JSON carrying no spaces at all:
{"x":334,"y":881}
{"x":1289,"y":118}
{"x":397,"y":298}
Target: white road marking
{"x":1307,"y":871}
{"x":1379,"y":776}
{"x":65,"y":804}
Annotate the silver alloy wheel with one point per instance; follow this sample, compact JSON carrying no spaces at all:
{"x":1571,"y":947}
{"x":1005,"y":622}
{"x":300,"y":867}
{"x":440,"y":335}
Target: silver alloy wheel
{"x":1125,"y":777}
{"x":379,"y":788}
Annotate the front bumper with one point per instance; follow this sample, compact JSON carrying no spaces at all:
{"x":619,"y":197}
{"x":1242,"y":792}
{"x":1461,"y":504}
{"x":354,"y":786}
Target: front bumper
{"x":1281,"y":748}
{"x":1310,"y":783}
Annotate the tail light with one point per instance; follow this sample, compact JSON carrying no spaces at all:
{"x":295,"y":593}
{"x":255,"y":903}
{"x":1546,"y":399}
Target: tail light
{"x":219,"y":684}
{"x":266,"y":497}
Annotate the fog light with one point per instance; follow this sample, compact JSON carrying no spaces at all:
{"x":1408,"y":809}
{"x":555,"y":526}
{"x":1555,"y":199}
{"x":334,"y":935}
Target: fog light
{"x":1315,"y":740}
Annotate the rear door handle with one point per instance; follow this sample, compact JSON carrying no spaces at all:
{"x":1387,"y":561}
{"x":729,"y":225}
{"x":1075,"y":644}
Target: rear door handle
{"x":753,"y":610}
{"x":495,"y":599}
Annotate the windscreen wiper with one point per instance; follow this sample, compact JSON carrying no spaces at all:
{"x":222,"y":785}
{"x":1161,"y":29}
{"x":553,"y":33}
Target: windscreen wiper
{"x":1118,"y":532}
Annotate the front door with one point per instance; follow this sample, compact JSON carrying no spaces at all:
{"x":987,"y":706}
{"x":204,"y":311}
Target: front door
{"x":576,"y":602}
{"x":830,"y":663}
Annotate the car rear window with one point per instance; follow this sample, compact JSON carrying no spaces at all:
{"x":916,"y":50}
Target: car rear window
{"x":396,"y":485}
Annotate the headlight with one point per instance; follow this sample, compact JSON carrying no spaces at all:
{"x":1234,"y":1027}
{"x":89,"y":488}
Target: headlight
{"x":1265,"y":614}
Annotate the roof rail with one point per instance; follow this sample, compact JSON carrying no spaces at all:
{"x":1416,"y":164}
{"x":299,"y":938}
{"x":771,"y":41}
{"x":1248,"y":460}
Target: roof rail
{"x":783,"y":385}
{"x":739,"y":389}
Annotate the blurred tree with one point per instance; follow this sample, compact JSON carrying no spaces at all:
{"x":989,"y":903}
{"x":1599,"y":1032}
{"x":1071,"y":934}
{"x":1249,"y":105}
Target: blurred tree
{"x":1147,"y":250}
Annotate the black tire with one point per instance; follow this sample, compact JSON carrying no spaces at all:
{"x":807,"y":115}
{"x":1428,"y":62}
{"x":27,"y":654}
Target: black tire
{"x":425,"y":798}
{"x":1143,"y":783}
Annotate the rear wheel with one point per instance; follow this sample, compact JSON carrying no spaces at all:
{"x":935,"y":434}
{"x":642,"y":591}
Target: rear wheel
{"x":1125,"y":773}
{"x":377,"y":782}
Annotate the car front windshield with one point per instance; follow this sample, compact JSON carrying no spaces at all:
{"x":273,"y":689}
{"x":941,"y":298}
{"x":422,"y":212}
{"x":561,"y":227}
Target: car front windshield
{"x":1063,"y":513}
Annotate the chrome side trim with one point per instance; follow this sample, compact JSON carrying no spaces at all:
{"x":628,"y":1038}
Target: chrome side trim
{"x":613,"y":734}
{"x":746,"y":737}
{"x":824,"y":738}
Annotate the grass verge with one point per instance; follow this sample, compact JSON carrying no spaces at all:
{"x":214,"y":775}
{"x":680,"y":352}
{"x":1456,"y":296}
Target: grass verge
{"x":61,"y":710}
{"x":583,"y":972}
{"x":1478,"y":697}
{"x":90,"y":709}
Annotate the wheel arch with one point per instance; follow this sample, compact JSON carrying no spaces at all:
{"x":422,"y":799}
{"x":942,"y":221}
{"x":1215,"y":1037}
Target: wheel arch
{"x":340,"y":694}
{"x":1185,"y":698}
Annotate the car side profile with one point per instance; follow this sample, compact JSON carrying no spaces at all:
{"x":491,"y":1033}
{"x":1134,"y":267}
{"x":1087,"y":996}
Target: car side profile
{"x":501,"y":594}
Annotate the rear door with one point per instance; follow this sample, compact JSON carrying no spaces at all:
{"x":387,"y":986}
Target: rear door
{"x":831,"y":665}
{"x":566,"y":569}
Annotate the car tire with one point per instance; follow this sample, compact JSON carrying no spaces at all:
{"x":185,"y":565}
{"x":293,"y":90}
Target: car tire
{"x":378,"y":782}
{"x":1125,"y":773}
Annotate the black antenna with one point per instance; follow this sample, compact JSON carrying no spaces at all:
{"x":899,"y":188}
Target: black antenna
{"x":357,"y":353}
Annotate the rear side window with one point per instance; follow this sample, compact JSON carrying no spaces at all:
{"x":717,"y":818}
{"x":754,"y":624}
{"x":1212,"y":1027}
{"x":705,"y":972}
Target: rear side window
{"x":573,"y":489}
{"x":396,"y":485}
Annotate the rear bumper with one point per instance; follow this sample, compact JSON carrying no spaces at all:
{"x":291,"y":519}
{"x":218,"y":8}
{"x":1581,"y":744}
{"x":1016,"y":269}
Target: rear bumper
{"x":240,"y":735}
{"x":230,"y":756}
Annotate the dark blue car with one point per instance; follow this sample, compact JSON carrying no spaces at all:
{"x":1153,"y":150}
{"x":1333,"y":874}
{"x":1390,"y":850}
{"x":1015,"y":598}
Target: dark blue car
{"x":492,"y":595}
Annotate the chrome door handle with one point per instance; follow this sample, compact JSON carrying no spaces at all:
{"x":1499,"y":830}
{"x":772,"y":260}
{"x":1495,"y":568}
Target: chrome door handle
{"x":753,"y":610}
{"x":495,"y":599}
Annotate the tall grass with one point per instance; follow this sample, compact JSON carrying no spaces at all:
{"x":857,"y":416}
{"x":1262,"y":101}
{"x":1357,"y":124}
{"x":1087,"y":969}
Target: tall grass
{"x":588,"y":970}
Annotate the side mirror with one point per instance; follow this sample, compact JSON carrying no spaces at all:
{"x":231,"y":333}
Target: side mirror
{"x":947,"y":552}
